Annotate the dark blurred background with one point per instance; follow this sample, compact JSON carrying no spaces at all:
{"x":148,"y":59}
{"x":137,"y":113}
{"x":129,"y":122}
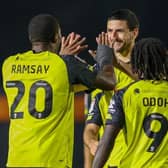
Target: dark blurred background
{"x":86,"y":17}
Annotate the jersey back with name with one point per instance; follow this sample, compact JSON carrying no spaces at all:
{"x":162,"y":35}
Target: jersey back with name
{"x":145,"y":105}
{"x":41,"y":110}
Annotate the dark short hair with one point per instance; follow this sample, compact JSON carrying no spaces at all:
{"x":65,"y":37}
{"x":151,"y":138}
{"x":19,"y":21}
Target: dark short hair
{"x":43,"y":28}
{"x":149,"y":59}
{"x":127,"y":15}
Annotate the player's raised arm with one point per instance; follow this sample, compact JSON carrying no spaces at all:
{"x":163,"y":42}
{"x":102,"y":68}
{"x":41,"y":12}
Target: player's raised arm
{"x":104,"y":79}
{"x":73,"y":44}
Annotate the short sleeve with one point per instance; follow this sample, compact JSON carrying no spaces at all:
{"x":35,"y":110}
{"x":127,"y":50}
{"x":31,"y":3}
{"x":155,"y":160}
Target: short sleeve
{"x":115,"y":110}
{"x":79,"y":72}
{"x":94,"y":114}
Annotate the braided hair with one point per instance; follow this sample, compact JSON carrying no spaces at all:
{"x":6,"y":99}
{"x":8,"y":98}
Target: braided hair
{"x":149,"y":59}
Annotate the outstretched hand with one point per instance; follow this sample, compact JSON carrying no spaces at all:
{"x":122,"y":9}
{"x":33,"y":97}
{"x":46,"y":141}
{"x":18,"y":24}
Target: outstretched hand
{"x":73,"y":44}
{"x":103,"y":39}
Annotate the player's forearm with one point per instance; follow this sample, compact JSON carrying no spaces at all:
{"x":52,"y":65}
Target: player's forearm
{"x":90,"y":137}
{"x":106,"y":78}
{"x":88,"y":158}
{"x":102,"y":154}
{"x":105,"y":146}
{"x":104,"y":55}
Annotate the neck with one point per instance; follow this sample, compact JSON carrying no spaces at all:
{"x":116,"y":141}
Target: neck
{"x":125,"y":54}
{"x":41,"y":46}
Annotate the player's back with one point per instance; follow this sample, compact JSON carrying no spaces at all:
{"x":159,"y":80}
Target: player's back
{"x":145,"y":106}
{"x":41,"y":105}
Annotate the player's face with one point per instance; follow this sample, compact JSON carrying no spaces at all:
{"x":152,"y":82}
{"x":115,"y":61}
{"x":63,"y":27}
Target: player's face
{"x":119,"y":32}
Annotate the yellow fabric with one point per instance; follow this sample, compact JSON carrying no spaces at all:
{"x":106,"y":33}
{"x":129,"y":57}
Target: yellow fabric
{"x":122,"y":80}
{"x":145,"y":105}
{"x":38,"y":138}
{"x":91,"y":97}
{"x":79,"y":88}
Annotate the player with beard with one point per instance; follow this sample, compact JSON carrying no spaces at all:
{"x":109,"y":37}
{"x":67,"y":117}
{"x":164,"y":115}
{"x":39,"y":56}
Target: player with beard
{"x":140,"y":110}
{"x":122,"y":30}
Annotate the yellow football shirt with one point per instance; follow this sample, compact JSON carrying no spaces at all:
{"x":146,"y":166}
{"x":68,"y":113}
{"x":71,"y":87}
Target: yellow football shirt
{"x":41,"y":110}
{"x":102,"y":100}
{"x":142,"y":112}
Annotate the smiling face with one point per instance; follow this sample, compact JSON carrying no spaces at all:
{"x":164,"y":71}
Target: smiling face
{"x":119,"y":32}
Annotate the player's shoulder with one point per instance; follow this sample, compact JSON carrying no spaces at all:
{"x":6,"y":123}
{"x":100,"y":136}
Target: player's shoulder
{"x":119,"y":94}
{"x":137,"y":85}
{"x":10,"y":59}
{"x":122,"y":79}
{"x":30,"y":56}
{"x":143,"y":86}
{"x":17,"y":56}
{"x":134,"y":89}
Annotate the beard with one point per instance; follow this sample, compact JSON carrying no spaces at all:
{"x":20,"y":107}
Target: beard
{"x":121,"y":46}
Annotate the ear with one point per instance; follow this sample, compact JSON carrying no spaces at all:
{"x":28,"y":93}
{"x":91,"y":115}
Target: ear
{"x":55,"y":39}
{"x":136,"y":32}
